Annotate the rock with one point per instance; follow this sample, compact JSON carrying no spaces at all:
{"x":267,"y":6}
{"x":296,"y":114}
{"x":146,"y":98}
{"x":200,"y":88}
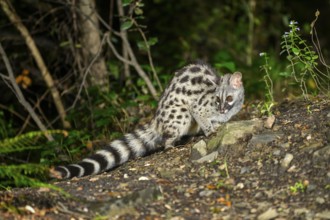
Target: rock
{"x":206,"y":193}
{"x":239,"y":186}
{"x":269,"y":214}
{"x":269,"y":122}
{"x":286,"y":161}
{"x":320,"y":200}
{"x":311,"y":188}
{"x":244,"y":170}
{"x":300,"y":211}
{"x":277,"y":152}
{"x":322,"y":154}
{"x":208,"y":158}
{"x":285,"y":145}
{"x":199,"y":150}
{"x":230,"y":133}
{"x":323,"y":215}
{"x":264,"y":138}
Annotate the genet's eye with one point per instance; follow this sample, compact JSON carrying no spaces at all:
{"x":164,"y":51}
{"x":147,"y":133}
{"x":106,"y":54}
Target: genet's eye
{"x":229,"y":99}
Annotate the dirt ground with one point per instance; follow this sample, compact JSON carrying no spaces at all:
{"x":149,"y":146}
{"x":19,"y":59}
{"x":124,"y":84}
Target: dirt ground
{"x":277,"y":173}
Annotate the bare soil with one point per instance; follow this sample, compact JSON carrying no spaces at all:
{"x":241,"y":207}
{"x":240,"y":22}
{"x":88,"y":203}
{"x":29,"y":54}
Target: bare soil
{"x":285,"y":178}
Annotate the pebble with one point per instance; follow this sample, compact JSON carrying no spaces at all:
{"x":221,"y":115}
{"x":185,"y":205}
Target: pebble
{"x":276,"y":152}
{"x":320,"y":200}
{"x":244,"y":170}
{"x":199,"y":150}
{"x":269,"y":214}
{"x":285,"y":145}
{"x":323,"y":215}
{"x":270,"y":122}
{"x":300,"y":211}
{"x":311,"y":187}
{"x":287,"y":160}
{"x":143,"y":178}
{"x":239,"y":186}
{"x":253,"y":210}
{"x":208,"y":158}
{"x":206,"y":193}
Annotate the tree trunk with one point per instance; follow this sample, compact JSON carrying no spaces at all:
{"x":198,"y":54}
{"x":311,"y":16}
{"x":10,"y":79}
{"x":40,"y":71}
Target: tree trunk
{"x":91,"y":45}
{"x":10,"y":12}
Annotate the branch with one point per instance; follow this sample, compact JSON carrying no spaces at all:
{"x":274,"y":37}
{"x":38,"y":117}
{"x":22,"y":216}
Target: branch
{"x":20,"y":95}
{"x":13,"y":17}
{"x":133,"y":62}
{"x":123,"y":33}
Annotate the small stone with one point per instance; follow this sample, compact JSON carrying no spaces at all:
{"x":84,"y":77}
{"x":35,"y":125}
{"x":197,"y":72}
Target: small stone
{"x":208,"y":158}
{"x":300,"y":211}
{"x":285,"y":145}
{"x":277,"y":152}
{"x":258,"y":195}
{"x":292,"y":169}
{"x":206,"y":193}
{"x":269,"y":214}
{"x":270,"y":122}
{"x":323,"y":215}
{"x":320,"y":200}
{"x":328,"y":115}
{"x":253,"y":210}
{"x":264,"y":138}
{"x":239,"y":186}
{"x":287,"y":160}
{"x":244,"y":170}
{"x":143,"y":178}
{"x":322,"y":154}
{"x":199,"y":150}
{"x":311,"y":187}
{"x":30,"y":209}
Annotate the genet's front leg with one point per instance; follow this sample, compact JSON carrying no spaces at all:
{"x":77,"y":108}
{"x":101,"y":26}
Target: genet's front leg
{"x":203,"y":122}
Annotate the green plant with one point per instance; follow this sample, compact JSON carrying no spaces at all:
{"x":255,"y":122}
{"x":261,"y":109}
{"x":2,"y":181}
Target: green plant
{"x":23,"y":174}
{"x":267,"y":105}
{"x":298,"y":187}
{"x":304,"y":61}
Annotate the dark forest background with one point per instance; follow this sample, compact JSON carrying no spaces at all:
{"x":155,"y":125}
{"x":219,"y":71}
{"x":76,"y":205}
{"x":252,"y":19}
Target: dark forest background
{"x":108,"y":61}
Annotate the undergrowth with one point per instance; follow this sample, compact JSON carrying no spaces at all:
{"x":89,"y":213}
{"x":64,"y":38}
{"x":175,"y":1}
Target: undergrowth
{"x":307,"y":67}
{"x":19,"y":172}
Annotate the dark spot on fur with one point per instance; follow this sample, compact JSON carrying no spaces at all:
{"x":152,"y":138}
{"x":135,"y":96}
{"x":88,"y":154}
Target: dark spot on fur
{"x":195,"y":69}
{"x":207,"y":72}
{"x":206,"y":103}
{"x":197,"y":79}
{"x":179,"y":117}
{"x":184,"y":79}
{"x":183,"y":90}
{"x":171,"y":116}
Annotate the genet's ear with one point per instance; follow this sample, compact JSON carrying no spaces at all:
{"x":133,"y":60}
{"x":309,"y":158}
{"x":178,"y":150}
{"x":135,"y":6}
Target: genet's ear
{"x":236,"y":80}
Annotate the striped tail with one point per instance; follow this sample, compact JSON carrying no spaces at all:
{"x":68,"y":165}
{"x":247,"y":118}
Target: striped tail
{"x":143,"y":141}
